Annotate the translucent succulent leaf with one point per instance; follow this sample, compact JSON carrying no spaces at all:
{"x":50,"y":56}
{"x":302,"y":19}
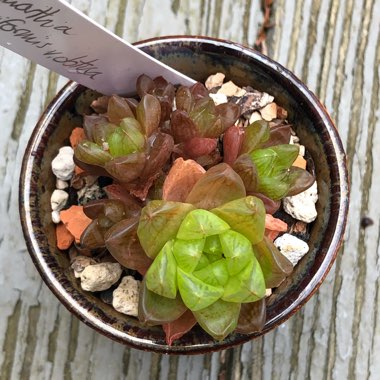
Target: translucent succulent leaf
{"x":118,"y":109}
{"x":100,"y":104}
{"x":159,"y":222}
{"x":247,"y":286}
{"x":202,"y":263}
{"x":156,"y":310}
{"x":204,"y":117}
{"x":144,"y":85}
{"x":275,"y":187}
{"x":111,"y":208}
{"x":122,"y":242}
{"x":161,"y":277}
{"x":184,"y":99}
{"x":90,"y":121}
{"x":126,"y":168}
{"x":199,"y":224}
{"x":237,"y":249}
{"x":254,"y":135}
{"x":244,"y":215}
{"x":90,"y":153}
{"x":195,"y":293}
{"x":215,"y":273}
{"x":271,"y":161}
{"x":279,"y":134}
{"x":274,"y":265}
{"x":219,"y":319}
{"x":188,"y":253}
{"x":232,"y":140}
{"x":270,"y":205}
{"x":227,"y":113}
{"x":299,"y":180}
{"x":252,"y":317}
{"x":182,"y":176}
{"x":126,"y":139}
{"x":247,"y":171}
{"x":102,"y":132}
{"x":199,"y":91}
{"x":176,"y":329}
{"x":219,"y":185}
{"x":148,"y":114}
{"x":131,"y":204}
{"x":182,"y":127}
{"x":212,"y":245}
{"x":93,"y":236}
{"x":198,"y":146}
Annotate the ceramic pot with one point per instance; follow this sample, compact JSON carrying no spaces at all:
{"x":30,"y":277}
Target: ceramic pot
{"x":197,"y":57}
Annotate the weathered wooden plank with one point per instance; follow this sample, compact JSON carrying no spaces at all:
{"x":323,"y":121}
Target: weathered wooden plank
{"x":334,"y":47}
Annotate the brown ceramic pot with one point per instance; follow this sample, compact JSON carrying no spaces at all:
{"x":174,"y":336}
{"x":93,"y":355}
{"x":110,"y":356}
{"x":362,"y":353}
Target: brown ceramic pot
{"x":197,"y":57}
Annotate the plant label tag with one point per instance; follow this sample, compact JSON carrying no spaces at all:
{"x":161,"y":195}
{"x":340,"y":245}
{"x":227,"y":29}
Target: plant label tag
{"x":54,"y":34}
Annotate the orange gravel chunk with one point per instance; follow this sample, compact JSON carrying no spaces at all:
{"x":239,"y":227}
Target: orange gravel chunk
{"x":75,"y":221}
{"x":300,"y":162}
{"x":78,"y":170}
{"x":64,"y":237}
{"x":77,"y":135}
{"x":273,"y":227}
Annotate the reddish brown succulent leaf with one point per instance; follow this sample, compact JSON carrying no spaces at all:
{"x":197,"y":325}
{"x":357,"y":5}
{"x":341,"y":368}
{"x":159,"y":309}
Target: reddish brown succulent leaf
{"x":123,"y":244}
{"x":182,"y":127}
{"x":100,"y":105}
{"x":118,"y":109}
{"x":178,"y":328}
{"x":126,"y":168}
{"x":252,"y":317}
{"x":198,"y":146}
{"x":270,"y":205}
{"x":232,"y":141}
{"x":116,"y":191}
{"x":182,"y":177}
{"x":90,"y":121}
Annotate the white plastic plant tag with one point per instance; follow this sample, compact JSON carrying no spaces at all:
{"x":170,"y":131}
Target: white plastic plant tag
{"x":54,"y":34}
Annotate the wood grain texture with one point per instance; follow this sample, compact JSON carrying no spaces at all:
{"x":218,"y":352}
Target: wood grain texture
{"x":334,"y":47}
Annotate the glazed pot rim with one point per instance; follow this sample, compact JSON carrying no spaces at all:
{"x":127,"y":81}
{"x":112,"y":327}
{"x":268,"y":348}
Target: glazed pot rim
{"x":85,"y":315}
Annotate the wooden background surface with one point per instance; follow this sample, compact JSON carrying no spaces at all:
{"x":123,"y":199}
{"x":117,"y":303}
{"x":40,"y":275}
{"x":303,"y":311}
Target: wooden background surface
{"x":331,"y":45}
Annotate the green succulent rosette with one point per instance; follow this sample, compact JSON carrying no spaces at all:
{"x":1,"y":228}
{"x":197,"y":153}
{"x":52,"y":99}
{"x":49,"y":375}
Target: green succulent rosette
{"x":207,"y":262}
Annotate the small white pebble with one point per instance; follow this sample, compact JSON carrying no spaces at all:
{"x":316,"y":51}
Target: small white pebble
{"x":58,"y":199}
{"x":291,"y":247}
{"x":126,"y":296}
{"x":255,"y":117}
{"x":63,"y":164}
{"x":268,"y":292}
{"x":61,"y":185}
{"x":219,"y":98}
{"x":302,"y":151}
{"x":215,"y":80}
{"x":294,"y":139}
{"x":302,"y":205}
{"x":55,"y":217}
{"x":269,"y":112}
{"x":230,"y":89}
{"x":98,"y":277}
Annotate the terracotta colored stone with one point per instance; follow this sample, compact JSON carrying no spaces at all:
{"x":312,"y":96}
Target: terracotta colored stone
{"x":77,"y":135}
{"x":273,"y":227}
{"x":78,"y":170}
{"x":64,"y":237}
{"x":300,"y":162}
{"x":75,"y":221}
{"x":180,"y":180}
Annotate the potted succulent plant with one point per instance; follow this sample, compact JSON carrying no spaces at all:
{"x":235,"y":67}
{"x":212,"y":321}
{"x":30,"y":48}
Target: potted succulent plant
{"x":193,"y":192}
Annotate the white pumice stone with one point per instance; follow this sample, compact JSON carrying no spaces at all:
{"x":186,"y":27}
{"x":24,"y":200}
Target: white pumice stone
{"x":255,"y":117}
{"x":58,"y":199}
{"x":302,"y":205}
{"x":215,"y":80}
{"x":302,"y":151}
{"x":268,"y":292}
{"x":219,"y":98}
{"x":291,"y":247}
{"x":55,"y":217}
{"x":61,"y":185}
{"x":126,"y":296}
{"x":230,"y":89}
{"x":98,"y":277}
{"x":63,"y":164}
{"x":80,"y":263}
